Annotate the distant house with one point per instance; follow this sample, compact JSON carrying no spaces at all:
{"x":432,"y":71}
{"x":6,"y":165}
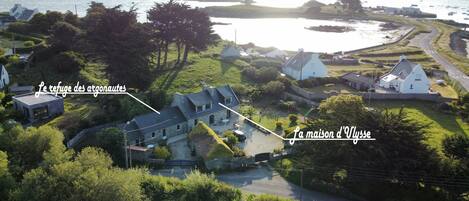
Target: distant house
{"x":305,"y":65}
{"x":38,"y":108}
{"x":4,"y":77}
{"x":411,"y":11}
{"x":22,"y":13}
{"x":406,"y":77}
{"x":230,"y":52}
{"x":182,"y":115}
{"x":358,"y":82}
{"x":276,"y":54}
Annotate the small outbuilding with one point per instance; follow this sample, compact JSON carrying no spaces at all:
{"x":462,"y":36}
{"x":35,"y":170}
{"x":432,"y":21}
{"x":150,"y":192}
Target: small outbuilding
{"x":35,"y":108}
{"x":358,"y":81}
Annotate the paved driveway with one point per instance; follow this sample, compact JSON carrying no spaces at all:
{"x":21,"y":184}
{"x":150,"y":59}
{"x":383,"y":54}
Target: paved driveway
{"x":424,"y":41}
{"x":258,"y":142}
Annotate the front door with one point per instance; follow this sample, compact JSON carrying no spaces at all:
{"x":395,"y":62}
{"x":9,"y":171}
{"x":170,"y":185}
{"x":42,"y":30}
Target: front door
{"x":228,"y":114}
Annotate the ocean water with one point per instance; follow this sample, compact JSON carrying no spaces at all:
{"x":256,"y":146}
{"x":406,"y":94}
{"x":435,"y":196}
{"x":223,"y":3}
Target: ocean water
{"x":439,"y":7}
{"x":286,"y":34}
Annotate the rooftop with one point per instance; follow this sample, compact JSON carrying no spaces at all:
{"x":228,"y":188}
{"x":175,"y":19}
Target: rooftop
{"x":31,"y":99}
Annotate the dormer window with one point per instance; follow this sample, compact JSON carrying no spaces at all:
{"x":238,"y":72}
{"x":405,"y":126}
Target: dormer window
{"x":208,"y":106}
{"x":228,"y":100}
{"x":418,"y":77}
{"x":199,"y":108}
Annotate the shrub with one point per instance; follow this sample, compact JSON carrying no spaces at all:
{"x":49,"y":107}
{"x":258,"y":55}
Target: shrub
{"x":275,"y":88}
{"x":287,"y":105}
{"x":293,"y":119}
{"x":69,"y":61}
{"x":264,"y":62}
{"x":238,"y":152}
{"x":240,"y":90}
{"x":267,"y":74}
{"x":162,"y":153}
{"x":285,"y":165}
{"x":28,"y":43}
{"x":457,"y":146}
{"x":250,"y":72}
{"x":19,"y":27}
{"x":231,"y":139}
{"x":266,"y":197}
{"x":278,"y":125}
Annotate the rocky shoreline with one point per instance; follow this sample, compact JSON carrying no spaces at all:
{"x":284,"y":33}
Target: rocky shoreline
{"x":329,"y":28}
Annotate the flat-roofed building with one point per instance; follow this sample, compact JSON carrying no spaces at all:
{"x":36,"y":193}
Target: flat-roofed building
{"x":42,"y":107}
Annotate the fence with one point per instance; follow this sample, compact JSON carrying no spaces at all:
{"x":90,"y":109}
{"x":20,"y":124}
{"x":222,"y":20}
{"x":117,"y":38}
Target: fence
{"x":371,"y":95}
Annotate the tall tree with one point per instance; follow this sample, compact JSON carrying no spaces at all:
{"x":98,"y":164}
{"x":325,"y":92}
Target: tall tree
{"x":115,"y":36}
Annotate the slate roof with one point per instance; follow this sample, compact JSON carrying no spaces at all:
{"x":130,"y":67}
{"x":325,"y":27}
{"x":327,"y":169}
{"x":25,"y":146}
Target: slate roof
{"x":357,"y":78}
{"x":26,"y":15}
{"x":1,"y":69}
{"x":299,"y":60}
{"x":402,"y":69}
{"x":184,"y":110}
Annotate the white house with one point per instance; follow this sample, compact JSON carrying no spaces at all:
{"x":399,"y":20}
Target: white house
{"x":305,"y":65}
{"x":276,"y":54}
{"x":406,"y":77}
{"x":4,"y":78}
{"x":230,"y":52}
{"x":22,"y":13}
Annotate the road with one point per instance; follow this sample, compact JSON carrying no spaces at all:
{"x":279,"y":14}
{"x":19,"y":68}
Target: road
{"x":261,"y":180}
{"x":424,"y":41}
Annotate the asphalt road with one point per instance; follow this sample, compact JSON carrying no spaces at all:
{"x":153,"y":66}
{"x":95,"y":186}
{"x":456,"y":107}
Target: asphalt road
{"x":424,"y":41}
{"x":261,"y":180}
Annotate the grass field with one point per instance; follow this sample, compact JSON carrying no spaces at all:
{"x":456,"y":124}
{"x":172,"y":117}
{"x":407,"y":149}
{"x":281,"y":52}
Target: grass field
{"x":441,"y":125}
{"x":442,"y":45}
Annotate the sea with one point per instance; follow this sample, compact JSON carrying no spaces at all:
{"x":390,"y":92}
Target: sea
{"x":284,"y":33}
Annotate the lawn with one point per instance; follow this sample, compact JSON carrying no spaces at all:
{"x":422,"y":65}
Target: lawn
{"x":333,"y":88}
{"x":204,"y":68}
{"x":440,"y":124}
{"x":339,"y":70}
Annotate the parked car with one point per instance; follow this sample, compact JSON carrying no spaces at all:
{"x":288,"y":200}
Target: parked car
{"x":240,"y":135}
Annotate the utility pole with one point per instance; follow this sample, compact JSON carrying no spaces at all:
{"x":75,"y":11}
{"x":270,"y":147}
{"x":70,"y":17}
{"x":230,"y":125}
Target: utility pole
{"x":301,"y":183}
{"x":125,"y":146}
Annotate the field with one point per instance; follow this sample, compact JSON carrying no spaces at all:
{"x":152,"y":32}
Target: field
{"x":440,"y":125}
{"x":442,"y":42}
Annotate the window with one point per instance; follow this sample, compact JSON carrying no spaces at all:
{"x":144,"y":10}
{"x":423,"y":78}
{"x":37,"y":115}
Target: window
{"x":41,"y":112}
{"x":164,"y":132}
{"x":178,"y":127}
{"x":228,"y":100}
{"x":153,"y":134}
{"x":199,"y":109}
{"x":418,"y":77}
{"x":196,"y":121}
{"x":208,"y":106}
{"x":411,"y":86}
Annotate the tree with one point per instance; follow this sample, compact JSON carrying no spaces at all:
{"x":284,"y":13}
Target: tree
{"x":89,"y":176}
{"x":7,"y":182}
{"x":162,"y":153}
{"x":201,"y":187}
{"x":266,"y":74}
{"x":352,"y":5}
{"x":344,"y":109}
{"x":457,"y":146}
{"x":69,"y":62}
{"x":64,"y":35}
{"x":42,"y":23}
{"x":112,"y":141}
{"x":231,"y":139}
{"x":293,"y":119}
{"x":115,"y":36}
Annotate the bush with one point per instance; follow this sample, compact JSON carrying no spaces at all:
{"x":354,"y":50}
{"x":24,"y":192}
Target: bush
{"x":162,"y":153}
{"x":237,"y":152}
{"x":19,"y":27}
{"x":240,"y":90}
{"x":231,"y":139}
{"x":267,"y":74}
{"x":287,"y":105}
{"x":457,"y":146}
{"x":275,"y":88}
{"x":69,"y":61}
{"x":250,"y":72}
{"x":319,"y":81}
{"x":285,"y":165}
{"x":293,"y":119}
{"x":278,"y":125}
{"x":28,"y":43}
{"x":265,"y":197}
{"x":264,"y":62}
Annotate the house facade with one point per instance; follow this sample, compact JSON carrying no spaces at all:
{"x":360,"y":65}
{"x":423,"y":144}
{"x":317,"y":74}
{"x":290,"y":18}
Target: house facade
{"x":4,"y":77}
{"x":406,"y":77}
{"x":182,"y":115}
{"x":358,"y":81}
{"x":34,"y":108}
{"x":305,"y":65}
